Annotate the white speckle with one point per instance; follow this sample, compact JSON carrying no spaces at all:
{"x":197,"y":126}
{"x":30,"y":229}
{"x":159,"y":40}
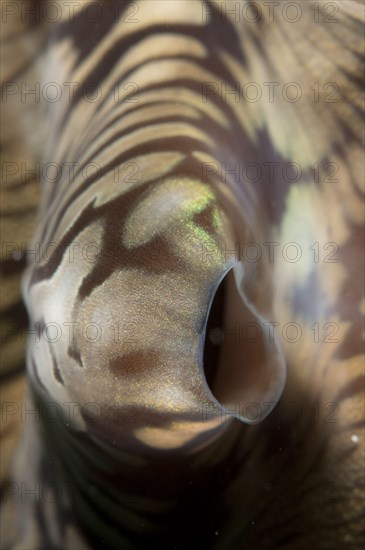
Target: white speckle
{"x":216,"y":533}
{"x":355,"y":438}
{"x":216,"y":336}
{"x":253,"y":522}
{"x":17,"y":255}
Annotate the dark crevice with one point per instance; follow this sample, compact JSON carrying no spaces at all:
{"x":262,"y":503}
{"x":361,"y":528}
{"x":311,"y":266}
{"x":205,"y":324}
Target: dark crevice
{"x":213,"y":335}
